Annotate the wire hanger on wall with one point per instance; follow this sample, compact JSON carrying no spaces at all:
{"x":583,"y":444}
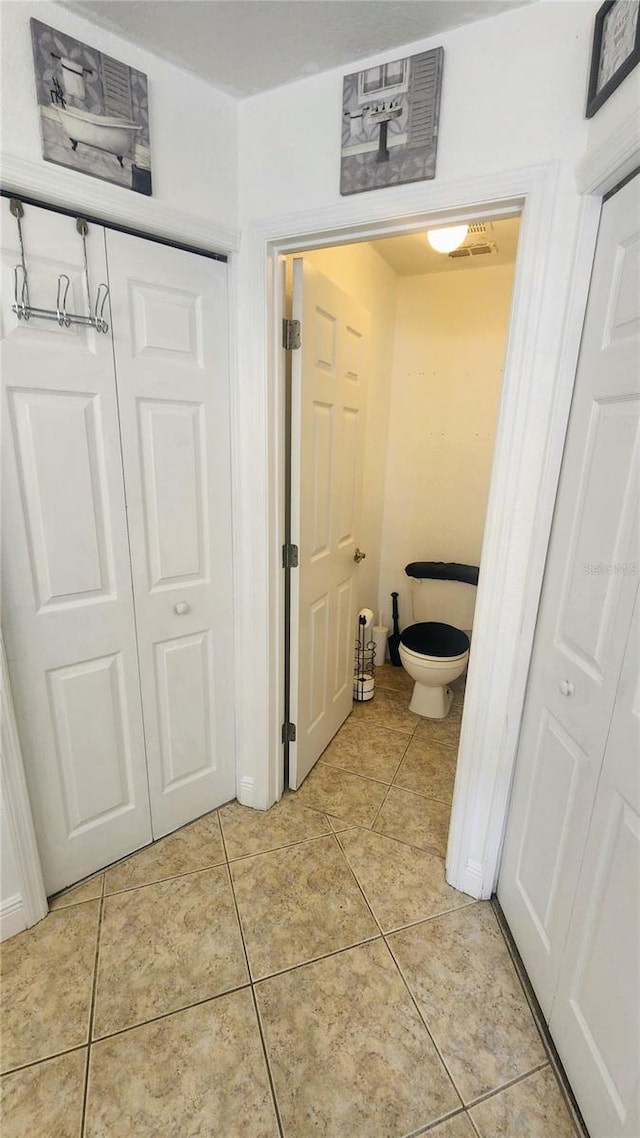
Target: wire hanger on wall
{"x":22,"y":306}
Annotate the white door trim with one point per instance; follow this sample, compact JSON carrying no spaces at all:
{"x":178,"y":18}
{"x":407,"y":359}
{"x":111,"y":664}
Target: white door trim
{"x":56,"y":186}
{"x":610,"y":163}
{"x":30,"y":905}
{"x":557,"y":231}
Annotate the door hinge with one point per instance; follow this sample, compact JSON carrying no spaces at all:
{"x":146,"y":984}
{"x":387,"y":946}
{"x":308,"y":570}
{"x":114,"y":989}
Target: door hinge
{"x":290,"y":335}
{"x":288,"y":732}
{"x":289,"y":556}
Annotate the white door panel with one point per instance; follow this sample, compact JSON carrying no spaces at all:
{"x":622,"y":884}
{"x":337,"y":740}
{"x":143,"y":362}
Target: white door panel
{"x":590,"y":588}
{"x":67,"y":607}
{"x":594,"y":1020}
{"x":170,"y":335}
{"x":329,"y":389}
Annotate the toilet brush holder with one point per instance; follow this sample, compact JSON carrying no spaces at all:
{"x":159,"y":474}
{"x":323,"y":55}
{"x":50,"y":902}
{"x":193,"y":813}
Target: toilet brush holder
{"x":380,"y":634}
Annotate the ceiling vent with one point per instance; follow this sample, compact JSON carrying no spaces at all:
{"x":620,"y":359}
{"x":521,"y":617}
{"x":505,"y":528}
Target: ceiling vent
{"x":480,"y":241}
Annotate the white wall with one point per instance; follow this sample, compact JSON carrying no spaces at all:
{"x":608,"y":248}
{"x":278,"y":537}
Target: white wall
{"x":360,"y":271}
{"x":513,"y":98}
{"x":194,"y":129}
{"x":451,"y":331}
{"x":513,"y":94}
{"x":194,"y":157}
{"x":623,"y":103}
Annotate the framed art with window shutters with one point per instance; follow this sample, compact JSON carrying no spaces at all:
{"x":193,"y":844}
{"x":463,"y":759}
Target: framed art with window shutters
{"x":390,"y":123}
{"x":615,"y":52}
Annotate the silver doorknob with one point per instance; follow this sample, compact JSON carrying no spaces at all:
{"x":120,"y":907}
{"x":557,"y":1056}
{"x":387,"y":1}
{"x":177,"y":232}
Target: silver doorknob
{"x":358,"y":556}
{"x":181,"y":608}
{"x":566,"y":687}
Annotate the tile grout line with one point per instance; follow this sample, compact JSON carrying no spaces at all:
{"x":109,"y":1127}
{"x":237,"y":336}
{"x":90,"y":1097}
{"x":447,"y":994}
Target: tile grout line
{"x":358,"y":774}
{"x":85,"y":1091}
{"x":486,"y":1095}
{"x":429,"y":797}
{"x":316,"y":959}
{"x":160,"y":880}
{"x":474,"y":1126}
{"x":174,"y":1011}
{"x":265,"y":1051}
{"x":272,"y":1088}
{"x":358,"y":885}
{"x":379,"y":810}
{"x":423,"y":1020}
{"x":431,"y":850}
{"x":336,"y":766}
{"x":403,"y":842}
{"x":553,"y":1057}
{"x":285,"y":846}
{"x":410,"y":924}
{"x":429,"y":1127}
{"x":430,"y":917}
{"x":129,"y":857}
{"x":45,"y":1058}
{"x":134,"y":853}
{"x":92,"y":1008}
{"x":237,"y":911}
{"x":144,"y":884}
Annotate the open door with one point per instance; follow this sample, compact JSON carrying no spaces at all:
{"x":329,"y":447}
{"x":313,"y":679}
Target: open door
{"x":329,"y":384}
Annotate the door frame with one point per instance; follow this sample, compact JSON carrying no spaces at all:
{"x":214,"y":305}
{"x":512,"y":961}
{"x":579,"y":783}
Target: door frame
{"x":558,"y":229}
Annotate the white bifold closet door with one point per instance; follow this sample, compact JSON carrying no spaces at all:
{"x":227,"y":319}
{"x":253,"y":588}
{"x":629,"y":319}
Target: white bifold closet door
{"x":569,"y":875}
{"x":116,"y":596}
{"x":169,"y":311}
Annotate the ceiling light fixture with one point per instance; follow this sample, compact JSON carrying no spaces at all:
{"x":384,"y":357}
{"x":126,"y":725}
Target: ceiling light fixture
{"x":447,"y":239}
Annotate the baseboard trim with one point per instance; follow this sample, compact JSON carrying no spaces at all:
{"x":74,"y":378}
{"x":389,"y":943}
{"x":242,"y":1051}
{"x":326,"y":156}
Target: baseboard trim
{"x":247,"y":791}
{"x":555,"y":1061}
{"x":12,"y":917}
{"x":471,"y":881}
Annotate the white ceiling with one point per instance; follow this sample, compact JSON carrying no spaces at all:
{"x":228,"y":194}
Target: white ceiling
{"x":248,"y":46}
{"x":412,"y":255}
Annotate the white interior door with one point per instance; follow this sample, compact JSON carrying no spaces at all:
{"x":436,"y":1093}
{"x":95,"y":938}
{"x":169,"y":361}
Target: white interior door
{"x":67,"y":607}
{"x":170,"y":339}
{"x":329,"y":389}
{"x":594,"y":1020}
{"x":589,"y":592}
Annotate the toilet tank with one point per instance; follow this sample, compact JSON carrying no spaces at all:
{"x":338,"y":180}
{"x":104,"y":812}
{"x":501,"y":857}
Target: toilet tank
{"x":443,"y":591}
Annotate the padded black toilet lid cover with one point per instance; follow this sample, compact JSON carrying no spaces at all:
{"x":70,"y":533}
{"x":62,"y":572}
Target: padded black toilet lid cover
{"x":443,"y":571}
{"x":431,"y":638}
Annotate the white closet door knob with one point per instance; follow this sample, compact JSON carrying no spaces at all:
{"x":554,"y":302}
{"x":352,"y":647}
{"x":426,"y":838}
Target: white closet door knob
{"x":181,"y":608}
{"x":566,"y":687}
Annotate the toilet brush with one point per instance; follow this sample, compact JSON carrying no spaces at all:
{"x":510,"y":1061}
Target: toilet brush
{"x":394,"y":639}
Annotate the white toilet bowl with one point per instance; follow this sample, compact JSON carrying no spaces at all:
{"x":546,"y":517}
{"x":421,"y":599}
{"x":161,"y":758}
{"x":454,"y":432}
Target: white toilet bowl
{"x":434,"y":655}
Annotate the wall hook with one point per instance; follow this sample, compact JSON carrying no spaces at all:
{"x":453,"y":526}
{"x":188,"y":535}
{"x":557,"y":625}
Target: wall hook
{"x":61,"y":306}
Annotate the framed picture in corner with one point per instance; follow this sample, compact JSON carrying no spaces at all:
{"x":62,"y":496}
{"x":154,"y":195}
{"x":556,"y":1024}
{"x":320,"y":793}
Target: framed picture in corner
{"x":615,"y":52}
{"x":94,"y":110}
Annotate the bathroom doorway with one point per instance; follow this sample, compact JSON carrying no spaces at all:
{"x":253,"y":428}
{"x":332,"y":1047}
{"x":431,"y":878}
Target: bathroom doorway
{"x":438,"y":326}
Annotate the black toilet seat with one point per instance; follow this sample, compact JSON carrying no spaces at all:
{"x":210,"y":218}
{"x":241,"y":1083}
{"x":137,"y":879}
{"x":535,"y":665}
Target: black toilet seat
{"x":431,"y":638}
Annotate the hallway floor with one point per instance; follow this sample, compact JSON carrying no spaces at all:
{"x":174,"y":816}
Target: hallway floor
{"x":305,"y":972}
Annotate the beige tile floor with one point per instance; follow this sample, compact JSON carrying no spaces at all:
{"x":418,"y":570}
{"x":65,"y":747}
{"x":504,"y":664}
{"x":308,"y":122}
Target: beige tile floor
{"x":305,"y":972}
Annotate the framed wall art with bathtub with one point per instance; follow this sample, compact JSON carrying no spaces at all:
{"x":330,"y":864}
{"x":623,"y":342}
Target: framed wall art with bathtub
{"x":94,"y":110}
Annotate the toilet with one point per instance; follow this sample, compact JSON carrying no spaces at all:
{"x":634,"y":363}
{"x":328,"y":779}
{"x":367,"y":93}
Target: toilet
{"x":435,"y":650}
